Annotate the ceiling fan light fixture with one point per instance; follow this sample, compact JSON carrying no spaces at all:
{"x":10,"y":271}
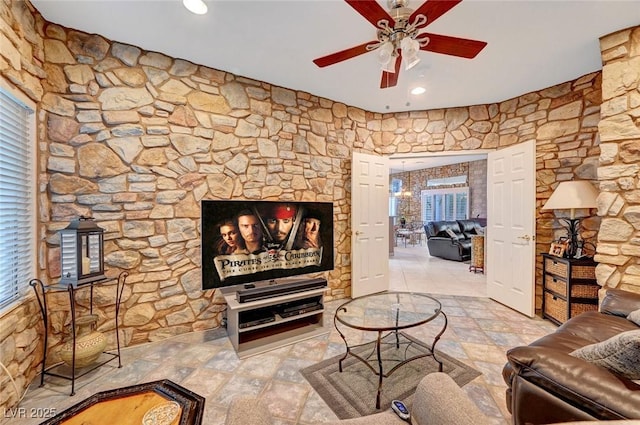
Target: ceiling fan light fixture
{"x":410,"y":49}
{"x":411,"y":61}
{"x":195,"y":6}
{"x":399,"y":38}
{"x":409,"y":45}
{"x":385,"y":53}
{"x":389,"y":67}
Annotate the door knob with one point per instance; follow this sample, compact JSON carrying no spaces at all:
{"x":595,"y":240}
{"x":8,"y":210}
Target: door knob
{"x":525,"y":237}
{"x":358,"y":233}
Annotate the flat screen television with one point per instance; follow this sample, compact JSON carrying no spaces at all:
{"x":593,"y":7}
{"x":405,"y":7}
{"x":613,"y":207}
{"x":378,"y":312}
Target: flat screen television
{"x":251,"y":241}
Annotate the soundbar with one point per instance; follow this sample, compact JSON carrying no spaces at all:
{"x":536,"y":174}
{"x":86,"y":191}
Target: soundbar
{"x":277,"y":289}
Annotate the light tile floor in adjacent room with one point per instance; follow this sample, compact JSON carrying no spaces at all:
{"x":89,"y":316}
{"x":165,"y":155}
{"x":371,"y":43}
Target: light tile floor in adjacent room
{"x":479,"y":332}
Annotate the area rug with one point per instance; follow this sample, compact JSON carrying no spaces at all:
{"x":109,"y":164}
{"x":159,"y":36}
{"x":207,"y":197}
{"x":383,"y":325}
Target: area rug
{"x":352,"y":392}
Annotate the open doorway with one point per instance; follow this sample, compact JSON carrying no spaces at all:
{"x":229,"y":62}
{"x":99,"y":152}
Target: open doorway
{"x":434,"y":187}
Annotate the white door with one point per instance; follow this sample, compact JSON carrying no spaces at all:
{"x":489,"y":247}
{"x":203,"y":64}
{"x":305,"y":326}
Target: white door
{"x":369,"y":224}
{"x":510,"y":245}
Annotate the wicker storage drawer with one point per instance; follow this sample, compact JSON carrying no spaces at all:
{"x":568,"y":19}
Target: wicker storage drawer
{"x":559,"y":286}
{"x":554,"y":284}
{"x":560,"y":268}
{"x":585,"y":291}
{"x":556,"y":307}
{"x":556,"y":267}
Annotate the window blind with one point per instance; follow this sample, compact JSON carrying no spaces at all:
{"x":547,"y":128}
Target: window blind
{"x":445,"y":204}
{"x":17,"y":231}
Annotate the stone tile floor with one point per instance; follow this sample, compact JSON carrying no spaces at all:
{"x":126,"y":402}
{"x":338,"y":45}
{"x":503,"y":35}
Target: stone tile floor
{"x":479,"y":332}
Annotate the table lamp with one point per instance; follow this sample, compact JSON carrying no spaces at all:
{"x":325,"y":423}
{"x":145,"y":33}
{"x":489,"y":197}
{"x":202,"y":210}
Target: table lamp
{"x":572,"y":195}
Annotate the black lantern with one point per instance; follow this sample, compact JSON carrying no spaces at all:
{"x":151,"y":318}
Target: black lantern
{"x":81,"y":252}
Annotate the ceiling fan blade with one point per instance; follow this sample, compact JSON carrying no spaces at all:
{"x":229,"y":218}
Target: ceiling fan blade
{"x":390,"y":79}
{"x":453,"y":46}
{"x":343,"y":55}
{"x":433,"y":9}
{"x":371,"y":11}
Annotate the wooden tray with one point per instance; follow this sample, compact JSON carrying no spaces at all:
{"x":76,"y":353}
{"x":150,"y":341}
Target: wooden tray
{"x":128,"y":405}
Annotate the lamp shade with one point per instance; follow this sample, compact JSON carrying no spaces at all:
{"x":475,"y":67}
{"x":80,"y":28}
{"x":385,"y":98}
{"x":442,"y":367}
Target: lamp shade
{"x":572,"y":195}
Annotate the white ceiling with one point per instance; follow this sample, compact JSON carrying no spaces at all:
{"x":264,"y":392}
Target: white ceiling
{"x":531,"y":44}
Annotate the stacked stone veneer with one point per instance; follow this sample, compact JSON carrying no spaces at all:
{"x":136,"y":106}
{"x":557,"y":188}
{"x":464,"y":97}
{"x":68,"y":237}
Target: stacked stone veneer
{"x":618,"y":173}
{"x":476,"y":172}
{"x":136,"y":139}
{"x":478,"y":189}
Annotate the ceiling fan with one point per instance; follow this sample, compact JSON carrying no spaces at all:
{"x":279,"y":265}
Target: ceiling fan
{"x":399,"y":35}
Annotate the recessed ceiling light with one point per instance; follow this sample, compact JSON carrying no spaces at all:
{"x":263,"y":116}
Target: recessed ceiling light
{"x":418,"y":90}
{"x":195,"y":6}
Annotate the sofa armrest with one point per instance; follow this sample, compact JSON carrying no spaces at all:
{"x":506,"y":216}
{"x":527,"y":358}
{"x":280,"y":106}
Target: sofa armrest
{"x":439,"y":400}
{"x":619,"y":302}
{"x":591,"y":388}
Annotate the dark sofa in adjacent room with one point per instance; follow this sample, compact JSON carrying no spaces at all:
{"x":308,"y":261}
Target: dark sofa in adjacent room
{"x":451,"y":239}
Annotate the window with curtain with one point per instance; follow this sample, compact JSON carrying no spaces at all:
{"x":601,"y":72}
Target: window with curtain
{"x":17,"y":196}
{"x":445,"y":204}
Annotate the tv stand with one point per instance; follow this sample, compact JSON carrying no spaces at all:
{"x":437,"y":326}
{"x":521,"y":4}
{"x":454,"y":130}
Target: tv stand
{"x":264,"y":324}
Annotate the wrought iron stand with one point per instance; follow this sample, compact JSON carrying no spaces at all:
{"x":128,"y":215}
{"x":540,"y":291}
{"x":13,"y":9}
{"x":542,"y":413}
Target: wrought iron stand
{"x":58,"y":370}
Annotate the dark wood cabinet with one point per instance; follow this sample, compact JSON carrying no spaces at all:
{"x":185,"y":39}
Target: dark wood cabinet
{"x":569,"y":287}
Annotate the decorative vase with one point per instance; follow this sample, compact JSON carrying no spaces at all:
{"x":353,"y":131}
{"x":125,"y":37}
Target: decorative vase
{"x":89,"y":343}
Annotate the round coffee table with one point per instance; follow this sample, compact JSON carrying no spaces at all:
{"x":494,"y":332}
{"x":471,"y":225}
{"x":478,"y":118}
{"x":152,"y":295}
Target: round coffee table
{"x":388,"y":313}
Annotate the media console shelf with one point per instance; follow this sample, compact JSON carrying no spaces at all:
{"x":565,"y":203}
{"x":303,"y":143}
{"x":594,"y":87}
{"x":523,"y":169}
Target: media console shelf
{"x":259,"y":326}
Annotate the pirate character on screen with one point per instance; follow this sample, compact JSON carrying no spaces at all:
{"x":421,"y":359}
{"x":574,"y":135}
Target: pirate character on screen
{"x":281,"y":221}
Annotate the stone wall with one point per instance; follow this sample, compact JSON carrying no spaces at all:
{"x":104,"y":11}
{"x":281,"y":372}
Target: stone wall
{"x":567,"y":148}
{"x":478,"y":189}
{"x":416,"y":181}
{"x":476,"y":172}
{"x":619,"y":169}
{"x":136,"y":139}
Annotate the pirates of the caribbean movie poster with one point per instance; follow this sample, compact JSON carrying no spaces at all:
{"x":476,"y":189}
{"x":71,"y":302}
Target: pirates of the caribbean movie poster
{"x":245,"y":241}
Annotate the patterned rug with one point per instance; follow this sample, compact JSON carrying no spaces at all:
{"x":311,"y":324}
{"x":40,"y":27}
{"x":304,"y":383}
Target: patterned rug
{"x":352,"y":392}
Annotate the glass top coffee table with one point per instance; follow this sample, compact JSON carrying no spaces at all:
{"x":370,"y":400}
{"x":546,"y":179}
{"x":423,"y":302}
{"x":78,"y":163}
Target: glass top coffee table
{"x":387,"y":314}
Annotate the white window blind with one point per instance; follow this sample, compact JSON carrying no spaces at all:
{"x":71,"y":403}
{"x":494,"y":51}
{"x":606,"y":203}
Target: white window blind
{"x":445,"y":204}
{"x":17,"y":174}
{"x":396,"y":186}
{"x":462,"y":205}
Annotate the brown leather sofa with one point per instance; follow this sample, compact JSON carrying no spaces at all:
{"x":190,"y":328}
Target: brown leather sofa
{"x":545,"y":384}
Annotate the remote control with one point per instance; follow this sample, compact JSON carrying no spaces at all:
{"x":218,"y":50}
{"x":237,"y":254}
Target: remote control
{"x":400,"y":409}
